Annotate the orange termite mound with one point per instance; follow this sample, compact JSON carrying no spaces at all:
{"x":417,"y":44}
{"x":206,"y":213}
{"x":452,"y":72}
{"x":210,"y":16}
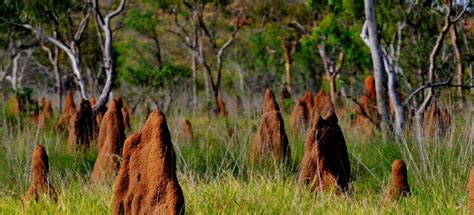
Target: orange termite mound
{"x":436,"y":120}
{"x":299,"y":116}
{"x":221,"y":107}
{"x":16,"y":105}
{"x":69,"y":108}
{"x":126,"y":117}
{"x":238,"y":104}
{"x":369,"y":96}
{"x":111,"y":138}
{"x":146,"y":182}
{"x":322,"y":103}
{"x":271,"y":140}
{"x":325,"y":164}
{"x":81,"y":127}
{"x":399,"y":186}
{"x":92,"y":101}
{"x":46,"y":112}
{"x":471,"y":191}
{"x":40,"y":184}
{"x":187,"y":131}
{"x":308,"y":100}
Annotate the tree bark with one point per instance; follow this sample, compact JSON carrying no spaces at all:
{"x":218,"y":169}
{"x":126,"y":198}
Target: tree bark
{"x":458,"y":58}
{"x":108,"y":59}
{"x":377,"y":61}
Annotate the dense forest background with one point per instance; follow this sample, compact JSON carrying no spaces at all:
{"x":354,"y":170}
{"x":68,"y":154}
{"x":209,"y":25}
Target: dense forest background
{"x":192,"y":52}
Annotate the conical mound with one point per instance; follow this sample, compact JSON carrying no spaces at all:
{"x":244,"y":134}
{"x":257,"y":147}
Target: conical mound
{"x":221,"y":107}
{"x":322,"y":103}
{"x":69,"y":108}
{"x":40,"y":184}
{"x":46,"y":112}
{"x":271,"y":141}
{"x":399,"y":186}
{"x":81,"y":127}
{"x":299,"y":116}
{"x":325,"y":164}
{"x":110,"y":141}
{"x":269,"y":102}
{"x":146,"y":182}
{"x":187,"y":131}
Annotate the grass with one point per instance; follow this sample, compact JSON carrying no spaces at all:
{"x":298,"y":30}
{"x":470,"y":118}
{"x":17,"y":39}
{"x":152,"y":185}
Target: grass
{"x":216,"y":176}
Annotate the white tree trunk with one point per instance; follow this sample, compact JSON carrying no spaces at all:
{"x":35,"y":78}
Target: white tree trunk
{"x":377,"y":61}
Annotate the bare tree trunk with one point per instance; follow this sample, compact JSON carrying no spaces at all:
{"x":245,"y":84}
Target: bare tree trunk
{"x":108,"y":59}
{"x":459,"y":68}
{"x":195,"y":81}
{"x":377,"y":61}
{"x":392,"y":90}
{"x":289,"y":49}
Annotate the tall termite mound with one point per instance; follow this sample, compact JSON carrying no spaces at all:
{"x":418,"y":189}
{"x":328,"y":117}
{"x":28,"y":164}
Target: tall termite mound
{"x":325,"y":164}
{"x":302,"y":113}
{"x":81,"y":127}
{"x":322,"y":103}
{"x":436,"y":120}
{"x":46,"y":112}
{"x":40,"y":184}
{"x":110,"y":141}
{"x":471,"y":191}
{"x":221,"y":107}
{"x":369,"y":102}
{"x":92,"y":101}
{"x":399,"y":186}
{"x":187,"y":131}
{"x":299,"y":116}
{"x":147,"y":182}
{"x":69,"y":108}
{"x":126,"y":117}
{"x":271,"y":140}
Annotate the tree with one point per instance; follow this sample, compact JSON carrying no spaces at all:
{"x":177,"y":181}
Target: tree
{"x":380,"y":76}
{"x":106,"y":42}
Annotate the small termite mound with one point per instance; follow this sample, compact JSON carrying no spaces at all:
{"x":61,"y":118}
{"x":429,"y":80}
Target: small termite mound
{"x":69,"y":108}
{"x":399,"y":186}
{"x":40,"y":184}
{"x":471,"y":191}
{"x":81,"y":127}
{"x":187,"y":131}
{"x":271,"y":142}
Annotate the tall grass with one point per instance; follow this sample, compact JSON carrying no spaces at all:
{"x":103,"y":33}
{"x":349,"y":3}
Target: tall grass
{"x":217,"y":177}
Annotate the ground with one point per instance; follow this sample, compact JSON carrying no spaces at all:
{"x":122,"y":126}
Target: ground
{"x":216,"y":176}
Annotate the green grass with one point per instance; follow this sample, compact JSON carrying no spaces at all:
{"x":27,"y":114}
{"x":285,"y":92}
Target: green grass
{"x":216,"y":176}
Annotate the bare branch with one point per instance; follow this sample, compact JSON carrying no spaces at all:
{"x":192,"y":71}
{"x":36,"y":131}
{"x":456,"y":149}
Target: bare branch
{"x":117,"y":11}
{"x":82,"y":27}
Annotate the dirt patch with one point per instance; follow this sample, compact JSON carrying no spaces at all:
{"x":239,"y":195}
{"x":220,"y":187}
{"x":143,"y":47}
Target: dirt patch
{"x":399,"y":186}
{"x":146,"y":182}
{"x":325,"y":165}
{"x":271,"y":142}
{"x":69,"y":108}
{"x":81,"y":127}
{"x":110,"y":141}
{"x":40,"y":185}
